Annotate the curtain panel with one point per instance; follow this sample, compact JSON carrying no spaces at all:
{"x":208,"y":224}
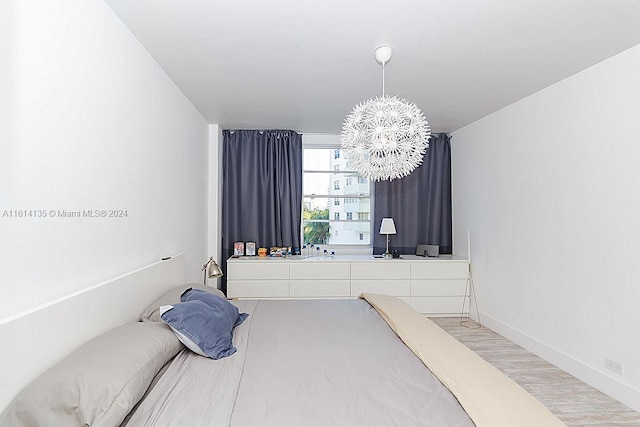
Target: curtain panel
{"x":420,"y":203}
{"x":262,"y":189}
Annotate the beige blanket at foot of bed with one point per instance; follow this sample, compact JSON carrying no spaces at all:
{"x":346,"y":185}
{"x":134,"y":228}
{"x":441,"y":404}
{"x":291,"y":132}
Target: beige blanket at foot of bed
{"x":490,"y":398}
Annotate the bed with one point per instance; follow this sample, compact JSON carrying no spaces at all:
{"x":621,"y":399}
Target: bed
{"x":367,"y":361}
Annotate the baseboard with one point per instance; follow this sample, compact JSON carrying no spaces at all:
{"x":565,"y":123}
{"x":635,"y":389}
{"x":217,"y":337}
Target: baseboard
{"x":599,"y":379}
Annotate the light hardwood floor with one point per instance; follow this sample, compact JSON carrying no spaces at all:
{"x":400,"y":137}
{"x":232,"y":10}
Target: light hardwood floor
{"x":574,"y":402}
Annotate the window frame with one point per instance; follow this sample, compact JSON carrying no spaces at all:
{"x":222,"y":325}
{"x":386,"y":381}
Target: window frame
{"x":332,"y":142}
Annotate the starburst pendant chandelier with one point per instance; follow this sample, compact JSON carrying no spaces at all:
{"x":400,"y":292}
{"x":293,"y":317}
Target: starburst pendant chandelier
{"x":385,"y":138}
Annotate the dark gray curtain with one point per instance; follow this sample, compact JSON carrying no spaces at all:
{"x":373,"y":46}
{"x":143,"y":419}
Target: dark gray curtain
{"x":420,"y":203}
{"x":262,"y":189}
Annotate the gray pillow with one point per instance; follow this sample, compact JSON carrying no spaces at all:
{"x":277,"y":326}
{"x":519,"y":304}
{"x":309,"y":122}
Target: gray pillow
{"x":99,"y":383}
{"x":172,"y":296}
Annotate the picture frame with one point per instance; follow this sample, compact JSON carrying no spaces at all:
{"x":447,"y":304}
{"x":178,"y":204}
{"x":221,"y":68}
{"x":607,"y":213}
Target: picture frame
{"x":238,"y":249}
{"x":250,"y":248}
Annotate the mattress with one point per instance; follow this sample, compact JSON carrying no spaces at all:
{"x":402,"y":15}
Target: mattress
{"x":303,"y":362}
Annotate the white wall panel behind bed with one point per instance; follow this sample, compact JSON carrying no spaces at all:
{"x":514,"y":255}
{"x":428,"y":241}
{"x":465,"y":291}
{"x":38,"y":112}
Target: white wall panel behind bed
{"x":93,"y":126}
{"x":38,"y":338}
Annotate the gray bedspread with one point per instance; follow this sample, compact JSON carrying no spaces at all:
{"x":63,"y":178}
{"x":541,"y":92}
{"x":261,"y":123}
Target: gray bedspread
{"x":303,"y":363}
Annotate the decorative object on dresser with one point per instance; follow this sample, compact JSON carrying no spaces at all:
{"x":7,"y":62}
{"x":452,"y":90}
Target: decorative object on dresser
{"x":213,"y":272}
{"x":387,"y":226}
{"x":428,"y":250}
{"x":238,"y":249}
{"x":250,"y":248}
{"x":277,"y":251}
{"x":385,"y":138}
{"x":433,"y":251}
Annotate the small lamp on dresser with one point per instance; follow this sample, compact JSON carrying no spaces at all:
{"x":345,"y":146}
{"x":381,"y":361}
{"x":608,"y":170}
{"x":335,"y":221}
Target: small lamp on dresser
{"x":387,"y":227}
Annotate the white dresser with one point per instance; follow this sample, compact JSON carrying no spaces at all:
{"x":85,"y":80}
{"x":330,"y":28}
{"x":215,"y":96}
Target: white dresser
{"x":434,"y":286}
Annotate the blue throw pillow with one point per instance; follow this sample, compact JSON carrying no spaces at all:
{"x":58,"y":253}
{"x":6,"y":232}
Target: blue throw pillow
{"x":220,"y":305}
{"x":205,"y":331}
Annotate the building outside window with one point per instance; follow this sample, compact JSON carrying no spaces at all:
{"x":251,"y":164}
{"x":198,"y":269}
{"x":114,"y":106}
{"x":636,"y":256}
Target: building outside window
{"x":326,"y":177}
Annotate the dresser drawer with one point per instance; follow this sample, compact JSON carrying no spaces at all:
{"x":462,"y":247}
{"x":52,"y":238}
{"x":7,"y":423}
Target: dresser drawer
{"x":439,"y":270}
{"x":396,"y":288}
{"x":320,"y":288}
{"x":380,"y":269}
{"x":438,"y":287}
{"x":258,"y":270}
{"x":257,"y":289}
{"x":320,"y":270}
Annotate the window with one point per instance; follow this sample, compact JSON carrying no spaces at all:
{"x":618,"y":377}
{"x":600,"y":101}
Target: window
{"x":326,"y":178}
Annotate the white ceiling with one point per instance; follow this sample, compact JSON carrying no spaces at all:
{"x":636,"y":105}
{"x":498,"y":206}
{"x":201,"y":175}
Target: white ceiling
{"x":303,"y":65}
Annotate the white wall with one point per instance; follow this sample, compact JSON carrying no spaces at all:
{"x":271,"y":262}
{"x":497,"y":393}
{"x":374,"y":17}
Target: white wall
{"x":549,"y":189}
{"x":214,"y":217}
{"x":92,"y":122}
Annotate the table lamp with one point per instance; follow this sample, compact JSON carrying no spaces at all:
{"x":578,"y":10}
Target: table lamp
{"x":387,"y":227}
{"x":214,"y":270}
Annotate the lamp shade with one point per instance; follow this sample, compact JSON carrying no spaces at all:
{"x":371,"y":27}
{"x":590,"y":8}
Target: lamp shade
{"x":385,"y":138}
{"x":214,"y":270}
{"x":387,"y":226}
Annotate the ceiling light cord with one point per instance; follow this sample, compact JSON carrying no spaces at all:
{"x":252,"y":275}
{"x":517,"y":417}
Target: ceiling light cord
{"x":383,"y":79}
